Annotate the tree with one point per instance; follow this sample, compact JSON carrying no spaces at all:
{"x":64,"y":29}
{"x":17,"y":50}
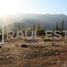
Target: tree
{"x":57,"y":27}
{"x":62,"y":25}
{"x":39,"y":27}
{"x":34,"y":27}
{"x":62,"y":28}
{"x":40,"y":32}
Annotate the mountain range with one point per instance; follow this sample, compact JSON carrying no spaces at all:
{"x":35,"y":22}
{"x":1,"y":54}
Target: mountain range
{"x":47,"y":21}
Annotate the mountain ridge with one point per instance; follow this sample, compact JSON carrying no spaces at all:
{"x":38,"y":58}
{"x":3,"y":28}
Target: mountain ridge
{"x":47,"y":21}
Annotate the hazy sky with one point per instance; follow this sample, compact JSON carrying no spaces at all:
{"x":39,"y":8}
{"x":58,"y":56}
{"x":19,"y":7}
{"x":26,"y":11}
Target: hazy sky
{"x":8,"y":7}
{"x":44,"y":6}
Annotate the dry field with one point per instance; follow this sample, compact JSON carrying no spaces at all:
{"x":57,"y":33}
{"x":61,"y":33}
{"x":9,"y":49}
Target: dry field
{"x":46,"y":54}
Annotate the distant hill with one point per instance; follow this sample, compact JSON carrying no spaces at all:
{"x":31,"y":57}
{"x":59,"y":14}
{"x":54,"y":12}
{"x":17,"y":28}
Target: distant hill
{"x":47,"y":21}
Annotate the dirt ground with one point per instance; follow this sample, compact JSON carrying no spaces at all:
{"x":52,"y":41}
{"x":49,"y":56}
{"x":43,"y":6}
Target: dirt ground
{"x":13,"y":55}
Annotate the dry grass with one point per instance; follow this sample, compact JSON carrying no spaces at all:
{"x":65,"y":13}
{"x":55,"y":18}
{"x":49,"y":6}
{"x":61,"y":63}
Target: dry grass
{"x":13,"y":55}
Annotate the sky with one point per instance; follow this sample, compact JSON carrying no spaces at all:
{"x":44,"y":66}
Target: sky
{"x":13,"y":7}
{"x":10,"y":7}
{"x":45,"y":6}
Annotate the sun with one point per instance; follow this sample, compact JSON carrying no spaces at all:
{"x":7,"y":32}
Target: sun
{"x":9,"y":7}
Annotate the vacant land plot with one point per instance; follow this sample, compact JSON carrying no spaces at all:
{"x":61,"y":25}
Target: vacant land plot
{"x":12,"y":54}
